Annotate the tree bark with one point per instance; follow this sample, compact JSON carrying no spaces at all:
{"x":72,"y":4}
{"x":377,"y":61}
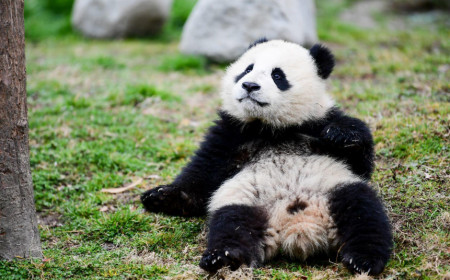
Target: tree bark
{"x":19,"y":236}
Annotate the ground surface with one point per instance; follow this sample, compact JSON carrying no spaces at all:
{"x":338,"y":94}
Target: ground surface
{"x":107,"y":114}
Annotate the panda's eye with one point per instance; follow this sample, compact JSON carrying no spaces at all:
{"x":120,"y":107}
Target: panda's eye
{"x":249,"y":69}
{"x":276,"y":76}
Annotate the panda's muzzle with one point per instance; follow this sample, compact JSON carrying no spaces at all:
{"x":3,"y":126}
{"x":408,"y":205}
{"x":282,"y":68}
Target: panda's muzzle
{"x":251,"y":88}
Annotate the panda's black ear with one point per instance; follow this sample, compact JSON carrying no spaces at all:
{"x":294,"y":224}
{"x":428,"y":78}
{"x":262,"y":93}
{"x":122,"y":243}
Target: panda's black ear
{"x":324,"y":60}
{"x":257,"y":42}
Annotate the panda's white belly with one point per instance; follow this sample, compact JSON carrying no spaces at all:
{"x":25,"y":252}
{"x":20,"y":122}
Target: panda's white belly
{"x":293,"y":190}
{"x":274,"y":177}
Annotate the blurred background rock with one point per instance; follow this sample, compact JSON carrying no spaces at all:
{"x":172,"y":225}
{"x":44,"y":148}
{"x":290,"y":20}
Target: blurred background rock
{"x":120,"y":19}
{"x":223,"y":30}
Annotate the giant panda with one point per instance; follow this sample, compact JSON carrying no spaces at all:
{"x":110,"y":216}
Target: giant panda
{"x":283,"y":170}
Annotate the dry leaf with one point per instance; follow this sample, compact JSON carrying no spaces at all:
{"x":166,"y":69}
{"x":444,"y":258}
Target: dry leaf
{"x":123,"y":189}
{"x":153,"y":176}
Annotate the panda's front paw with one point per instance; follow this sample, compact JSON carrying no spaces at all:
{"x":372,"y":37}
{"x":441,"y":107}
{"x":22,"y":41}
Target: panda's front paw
{"x":341,"y":136}
{"x":214,"y":259}
{"x":173,"y":200}
{"x":154,"y":200}
{"x":359,"y":263}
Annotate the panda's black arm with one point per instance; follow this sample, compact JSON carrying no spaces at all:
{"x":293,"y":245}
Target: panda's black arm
{"x":350,"y":139}
{"x":213,"y":163}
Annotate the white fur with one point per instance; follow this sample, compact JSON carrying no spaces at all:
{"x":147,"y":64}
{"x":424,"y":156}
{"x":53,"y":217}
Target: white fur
{"x":306,"y":99}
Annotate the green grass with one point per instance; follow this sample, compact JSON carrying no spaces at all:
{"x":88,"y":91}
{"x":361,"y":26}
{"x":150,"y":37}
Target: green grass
{"x":184,"y":63}
{"x":104,"y":114}
{"x":47,"y":18}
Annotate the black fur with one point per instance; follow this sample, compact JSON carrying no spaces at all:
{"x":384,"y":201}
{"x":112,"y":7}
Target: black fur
{"x":280,"y":80}
{"x":257,"y":42}
{"x":363,"y":228}
{"x":231,"y":144}
{"x":324,"y":60}
{"x":235,"y":237}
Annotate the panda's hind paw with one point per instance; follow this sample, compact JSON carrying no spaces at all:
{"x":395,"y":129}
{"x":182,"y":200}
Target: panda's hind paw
{"x":364,"y":264}
{"x":214,"y":259}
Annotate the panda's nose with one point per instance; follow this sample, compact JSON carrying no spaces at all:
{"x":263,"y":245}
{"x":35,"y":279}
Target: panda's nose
{"x":249,"y":87}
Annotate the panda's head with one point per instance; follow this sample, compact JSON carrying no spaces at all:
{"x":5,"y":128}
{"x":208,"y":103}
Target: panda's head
{"x":278,"y":83}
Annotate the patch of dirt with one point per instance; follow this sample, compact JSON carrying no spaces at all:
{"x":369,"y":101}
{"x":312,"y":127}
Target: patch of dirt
{"x":361,"y":13}
{"x":108,"y":246}
{"x":242,"y":273}
{"x":146,"y":257}
{"x":361,"y":277}
{"x":49,"y":219}
{"x":191,"y":272}
{"x":444,"y":221}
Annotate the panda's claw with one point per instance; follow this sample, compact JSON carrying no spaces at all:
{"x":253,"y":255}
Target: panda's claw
{"x":212,"y":262}
{"x":364,"y":264}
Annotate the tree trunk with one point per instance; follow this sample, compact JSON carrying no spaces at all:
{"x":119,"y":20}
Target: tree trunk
{"x":19,"y":236}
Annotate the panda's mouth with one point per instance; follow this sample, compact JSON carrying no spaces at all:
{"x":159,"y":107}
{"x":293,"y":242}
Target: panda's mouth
{"x":254,"y":100}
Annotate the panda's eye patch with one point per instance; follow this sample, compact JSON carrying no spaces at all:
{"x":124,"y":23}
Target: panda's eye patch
{"x":279,"y":79}
{"x":246,"y":71}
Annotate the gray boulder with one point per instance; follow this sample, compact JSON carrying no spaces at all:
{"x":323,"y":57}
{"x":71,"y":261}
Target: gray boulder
{"x":120,"y":18}
{"x":222,"y":30}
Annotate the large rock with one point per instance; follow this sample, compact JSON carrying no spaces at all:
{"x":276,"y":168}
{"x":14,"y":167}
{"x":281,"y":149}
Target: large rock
{"x":222,"y":30}
{"x":120,"y":18}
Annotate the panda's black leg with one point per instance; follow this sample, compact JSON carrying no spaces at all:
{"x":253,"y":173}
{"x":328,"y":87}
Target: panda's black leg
{"x":236,"y":234}
{"x":363,"y":228}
